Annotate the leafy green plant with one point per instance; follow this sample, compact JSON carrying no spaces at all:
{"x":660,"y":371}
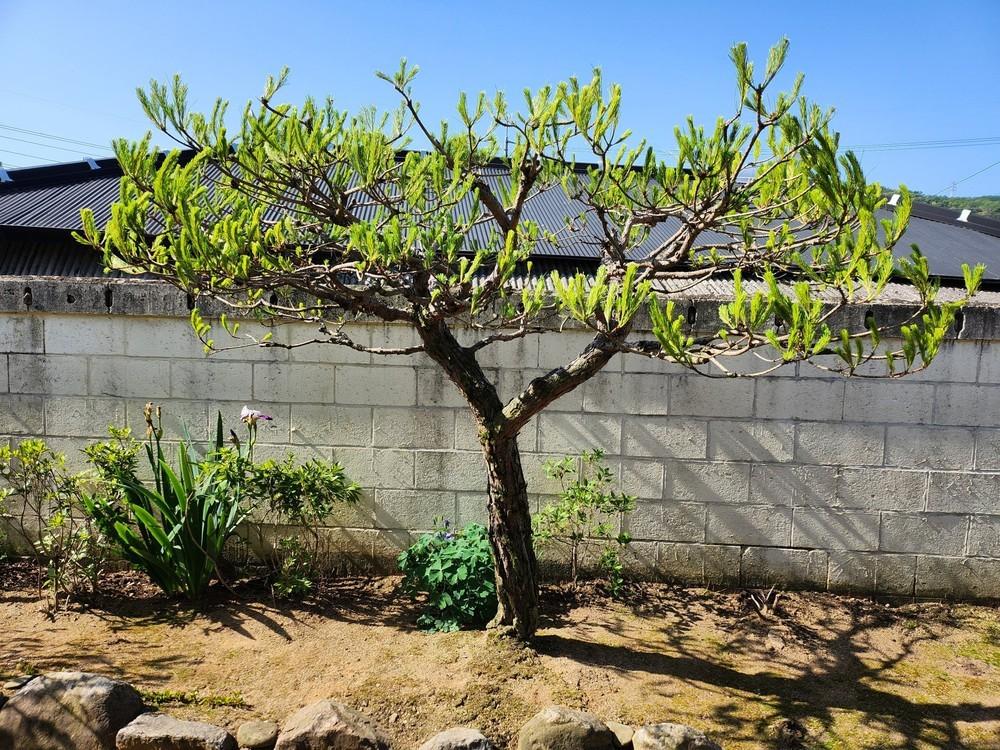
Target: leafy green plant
{"x":175,"y":530}
{"x":293,"y":578}
{"x":454,"y":568}
{"x":588,"y":509}
{"x":41,"y":500}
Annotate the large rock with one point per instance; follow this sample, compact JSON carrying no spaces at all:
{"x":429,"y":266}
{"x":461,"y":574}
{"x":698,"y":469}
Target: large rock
{"x":559,"y":728}
{"x":459,"y":738}
{"x":68,"y":711}
{"x":671,"y":737}
{"x":257,"y":735}
{"x":162,"y":732}
{"x":623,"y":733}
{"x":328,"y":725}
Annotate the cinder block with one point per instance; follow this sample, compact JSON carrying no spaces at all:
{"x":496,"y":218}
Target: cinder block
{"x":378,"y":386}
{"x":571,"y":433}
{"x":397,"y":336}
{"x":434,"y":388}
{"x":450,"y":470}
{"x":787,"y":398}
{"x":721,"y":564}
{"x":958,"y":577}
{"x":882,"y":489}
{"x":210,"y":379}
{"x":473,"y":507}
{"x":963,"y":492}
{"x":751,"y":441}
{"x":22,"y":333}
{"x":895,"y":575}
{"x":967,"y":405}
{"x":333,"y":354}
{"x":179,"y":418}
{"x":166,"y":337}
{"x":84,"y":334}
{"x":130,"y":377}
{"x":640,"y":560}
{"x":82,"y":417}
{"x":774,"y":566}
{"x":839,"y":444}
{"x":765,"y":525}
{"x":386,"y":546}
{"x":956,"y":362}
{"x":413,"y":509}
{"x":615,"y":393}
{"x":321,"y":424}
{"x":643,"y":479}
{"x":393,"y":469}
{"x":988,"y":450}
{"x":667,"y":521}
{"x":926,"y":533}
{"x":414,"y":428}
{"x":4,"y":374}
{"x":781,"y":484}
{"x":638,"y":363}
{"x":852,"y":571}
{"x":984,"y":536}
{"x":706,"y":482}
{"x":694,"y":395}
{"x":21,"y":415}
{"x":892,"y":401}
{"x":682,"y":563}
{"x":835,"y":529}
{"x":989,"y":365}
{"x":522,"y":352}
{"x":54,"y":375}
{"x":291,"y":382}
{"x":358,"y":463}
{"x":667,"y":437}
{"x":929,"y":447}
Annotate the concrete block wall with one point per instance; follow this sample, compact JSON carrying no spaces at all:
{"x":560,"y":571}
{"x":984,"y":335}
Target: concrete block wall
{"x":798,"y":478}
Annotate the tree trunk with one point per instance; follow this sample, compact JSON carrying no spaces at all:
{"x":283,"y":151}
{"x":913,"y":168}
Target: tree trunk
{"x":510,"y":536}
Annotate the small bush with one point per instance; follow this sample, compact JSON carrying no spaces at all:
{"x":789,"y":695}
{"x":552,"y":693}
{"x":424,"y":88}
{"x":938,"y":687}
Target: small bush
{"x":587,"y":510}
{"x":43,"y":500}
{"x":454,"y":568}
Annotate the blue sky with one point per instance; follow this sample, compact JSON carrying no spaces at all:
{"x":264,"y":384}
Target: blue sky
{"x":897,"y":72}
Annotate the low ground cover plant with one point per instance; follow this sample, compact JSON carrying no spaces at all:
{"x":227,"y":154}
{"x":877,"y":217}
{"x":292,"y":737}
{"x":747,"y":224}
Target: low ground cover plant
{"x":588,"y":511}
{"x":454,"y":568}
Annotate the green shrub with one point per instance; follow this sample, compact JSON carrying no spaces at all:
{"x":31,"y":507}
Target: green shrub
{"x":41,"y":500}
{"x":588,"y":510}
{"x":175,"y":530}
{"x":454,"y":568}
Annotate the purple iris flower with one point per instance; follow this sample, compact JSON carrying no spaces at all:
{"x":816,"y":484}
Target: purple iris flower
{"x":251,"y":416}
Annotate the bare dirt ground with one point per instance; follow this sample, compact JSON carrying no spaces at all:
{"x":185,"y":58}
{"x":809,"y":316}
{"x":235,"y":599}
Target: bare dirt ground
{"x":855,"y":673}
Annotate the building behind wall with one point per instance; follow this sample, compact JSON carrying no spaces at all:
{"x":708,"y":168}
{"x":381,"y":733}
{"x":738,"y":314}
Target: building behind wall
{"x":796,"y":478}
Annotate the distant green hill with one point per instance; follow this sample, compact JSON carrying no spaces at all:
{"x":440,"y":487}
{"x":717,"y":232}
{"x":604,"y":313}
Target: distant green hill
{"x":983,"y":205}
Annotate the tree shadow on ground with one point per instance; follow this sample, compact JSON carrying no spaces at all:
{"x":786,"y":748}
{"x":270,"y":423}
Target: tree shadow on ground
{"x":842,"y":675}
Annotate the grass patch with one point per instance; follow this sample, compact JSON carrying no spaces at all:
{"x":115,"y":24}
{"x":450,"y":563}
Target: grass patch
{"x":192,"y":698}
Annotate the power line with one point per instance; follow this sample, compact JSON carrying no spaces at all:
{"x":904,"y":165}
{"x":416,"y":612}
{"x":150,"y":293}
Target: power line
{"x":30,"y":156}
{"x":46,"y":145}
{"x":50,"y":136}
{"x":952,"y":185}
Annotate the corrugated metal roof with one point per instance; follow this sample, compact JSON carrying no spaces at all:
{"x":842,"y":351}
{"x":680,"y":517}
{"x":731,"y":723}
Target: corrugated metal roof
{"x":50,"y":198}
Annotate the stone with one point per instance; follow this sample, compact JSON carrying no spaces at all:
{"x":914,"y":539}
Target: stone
{"x":459,"y":738}
{"x":623,"y":732}
{"x":559,"y":728}
{"x":328,"y":724}
{"x":18,"y":682}
{"x":671,"y":737}
{"x":257,"y":735}
{"x":161,"y":732}
{"x":68,"y":711}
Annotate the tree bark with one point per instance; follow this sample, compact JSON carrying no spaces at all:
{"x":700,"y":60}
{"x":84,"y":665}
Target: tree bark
{"x":510,"y":536}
